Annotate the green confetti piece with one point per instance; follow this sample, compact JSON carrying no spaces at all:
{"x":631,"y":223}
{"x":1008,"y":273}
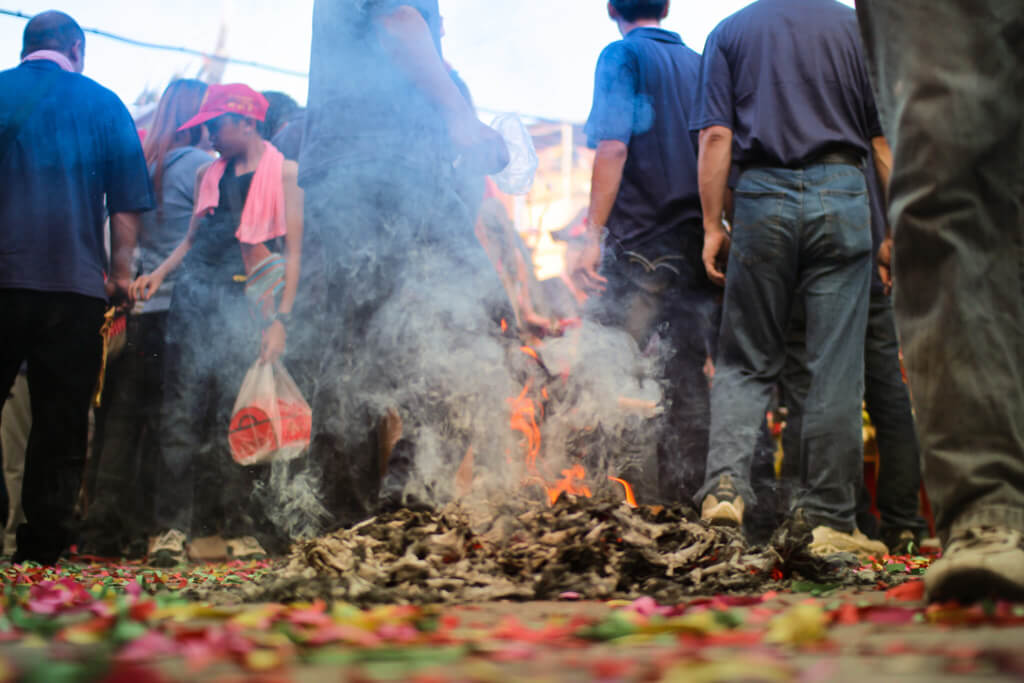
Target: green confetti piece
{"x":729,"y":618}
{"x":896,"y":567}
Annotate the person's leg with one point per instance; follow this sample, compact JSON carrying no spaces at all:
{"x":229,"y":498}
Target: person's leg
{"x":633,"y":301}
{"x":834,"y":283}
{"x":152,"y":347}
{"x":759,"y":290}
{"x":952,"y":110}
{"x":15,"y":425}
{"x":63,"y":365}
{"x":183,"y":417}
{"x":888,"y":404}
{"x":689,"y":313}
{"x":236,"y":349}
{"x":112,"y":511}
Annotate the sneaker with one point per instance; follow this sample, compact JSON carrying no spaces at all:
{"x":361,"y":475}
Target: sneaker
{"x":723,"y":506}
{"x":979,"y":563}
{"x":167,"y":549}
{"x":828,"y":541}
{"x":246,"y":548}
{"x":903,"y":541}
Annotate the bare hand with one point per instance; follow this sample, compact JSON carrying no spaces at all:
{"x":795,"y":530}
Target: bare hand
{"x":716,"y":250}
{"x":275,"y":339}
{"x":582,"y":261}
{"x":119,"y":292}
{"x":885,"y":264}
{"x":482,"y":148}
{"x":145,"y":286}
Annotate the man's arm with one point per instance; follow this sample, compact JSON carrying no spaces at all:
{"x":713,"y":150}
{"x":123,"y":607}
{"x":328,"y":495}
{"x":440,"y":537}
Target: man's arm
{"x":406,"y":37}
{"x":883,"y":166}
{"x":713,"y":163}
{"x":124,"y":235}
{"x":609,"y":162}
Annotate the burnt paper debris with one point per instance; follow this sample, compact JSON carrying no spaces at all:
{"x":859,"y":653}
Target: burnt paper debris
{"x":599,"y":548}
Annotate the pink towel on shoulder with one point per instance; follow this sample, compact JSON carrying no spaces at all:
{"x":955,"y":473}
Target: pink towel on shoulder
{"x":263,"y":217}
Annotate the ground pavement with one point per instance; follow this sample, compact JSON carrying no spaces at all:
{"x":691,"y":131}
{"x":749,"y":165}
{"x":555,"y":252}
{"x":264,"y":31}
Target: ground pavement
{"x":107,"y":621}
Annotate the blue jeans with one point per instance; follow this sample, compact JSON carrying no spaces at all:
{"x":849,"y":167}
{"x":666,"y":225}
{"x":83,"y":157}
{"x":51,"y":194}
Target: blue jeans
{"x":888,"y":404}
{"x":797,"y":233}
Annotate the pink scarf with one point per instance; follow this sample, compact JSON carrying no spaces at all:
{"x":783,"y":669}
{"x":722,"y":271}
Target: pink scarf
{"x":263,"y":217}
{"x":51,"y":55}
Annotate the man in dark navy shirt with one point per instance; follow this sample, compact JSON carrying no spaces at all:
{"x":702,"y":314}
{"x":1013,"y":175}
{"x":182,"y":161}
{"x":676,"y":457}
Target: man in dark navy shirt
{"x":645,"y":206}
{"x":785,"y":95}
{"x":67,"y":144}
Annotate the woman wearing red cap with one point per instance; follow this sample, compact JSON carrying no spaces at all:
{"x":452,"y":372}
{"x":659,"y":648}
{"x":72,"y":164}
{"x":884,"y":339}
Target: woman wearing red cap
{"x":245,"y":203}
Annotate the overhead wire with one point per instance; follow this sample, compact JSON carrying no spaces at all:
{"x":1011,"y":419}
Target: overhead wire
{"x":175,"y":48}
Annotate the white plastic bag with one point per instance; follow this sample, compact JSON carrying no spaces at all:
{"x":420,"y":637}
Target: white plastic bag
{"x":517,"y":177}
{"x":271,"y":419}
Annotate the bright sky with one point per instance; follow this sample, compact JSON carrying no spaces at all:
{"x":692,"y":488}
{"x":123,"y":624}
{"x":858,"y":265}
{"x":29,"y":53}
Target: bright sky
{"x":535,"y":57}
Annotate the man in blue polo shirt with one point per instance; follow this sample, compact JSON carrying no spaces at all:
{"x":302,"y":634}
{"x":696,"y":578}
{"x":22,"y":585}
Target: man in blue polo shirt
{"x":785,"y":96}
{"x":66,"y":145}
{"x":645,"y":206}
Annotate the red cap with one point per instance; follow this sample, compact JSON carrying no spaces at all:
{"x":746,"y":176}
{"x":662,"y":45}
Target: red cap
{"x":235,"y":98}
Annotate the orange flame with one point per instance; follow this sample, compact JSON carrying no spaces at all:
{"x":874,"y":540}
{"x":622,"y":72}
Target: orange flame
{"x":571,"y":483}
{"x":524,"y":420}
{"x":530,"y":352}
{"x":504,"y":325}
{"x":630,"y":498}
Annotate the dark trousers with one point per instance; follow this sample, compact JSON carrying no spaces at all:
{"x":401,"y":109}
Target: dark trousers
{"x":888,"y":404}
{"x":412,"y":325}
{"x":661,"y":288}
{"x":798,"y":233}
{"x":212,"y":340}
{"x":58,"y":335}
{"x":121,"y":475}
{"x":952,"y":112}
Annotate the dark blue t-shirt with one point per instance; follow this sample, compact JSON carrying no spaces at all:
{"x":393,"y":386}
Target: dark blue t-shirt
{"x":643,"y":96}
{"x":362,"y":108}
{"x":78,"y":148}
{"x":788,"y":78}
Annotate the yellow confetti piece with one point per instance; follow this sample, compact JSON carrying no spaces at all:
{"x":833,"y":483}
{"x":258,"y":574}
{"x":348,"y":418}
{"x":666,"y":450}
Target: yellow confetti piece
{"x":800,"y":625}
{"x":262,"y":660}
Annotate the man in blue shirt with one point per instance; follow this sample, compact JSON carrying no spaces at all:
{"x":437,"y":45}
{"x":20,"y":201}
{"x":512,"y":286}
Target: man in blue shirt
{"x":67,"y":145}
{"x":645,"y":207}
{"x":785,"y":96}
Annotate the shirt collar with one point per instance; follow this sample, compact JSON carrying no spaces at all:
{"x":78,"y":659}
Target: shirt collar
{"x":655,"y":33}
{"x":51,"y":56}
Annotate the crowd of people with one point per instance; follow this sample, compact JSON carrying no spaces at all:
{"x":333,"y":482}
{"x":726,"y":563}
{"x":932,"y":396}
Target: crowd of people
{"x":739,"y":227}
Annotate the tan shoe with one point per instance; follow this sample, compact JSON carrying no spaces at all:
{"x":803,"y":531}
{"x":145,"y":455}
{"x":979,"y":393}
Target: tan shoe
{"x":829,"y":541}
{"x":246,"y":548}
{"x":979,"y":562}
{"x":167,"y":549}
{"x":723,"y":506}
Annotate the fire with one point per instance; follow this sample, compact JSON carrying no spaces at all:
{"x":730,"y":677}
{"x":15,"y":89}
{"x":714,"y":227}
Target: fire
{"x":630,"y":498}
{"x":524,"y":421}
{"x":530,"y":352}
{"x":504,"y":326}
{"x":525,"y":412}
{"x":571,"y":483}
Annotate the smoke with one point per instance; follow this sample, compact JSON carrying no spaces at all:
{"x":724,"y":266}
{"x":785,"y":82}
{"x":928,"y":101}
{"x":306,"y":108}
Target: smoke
{"x":290,"y":498}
